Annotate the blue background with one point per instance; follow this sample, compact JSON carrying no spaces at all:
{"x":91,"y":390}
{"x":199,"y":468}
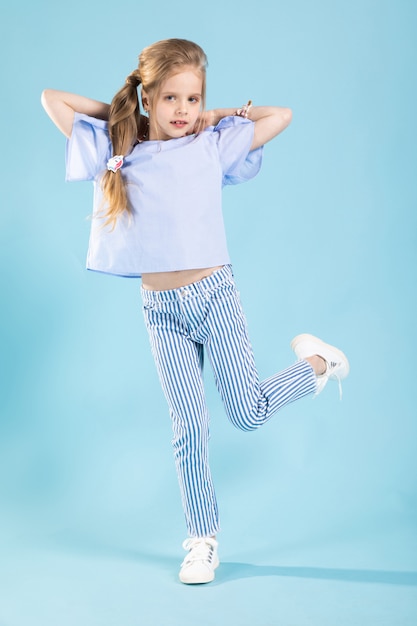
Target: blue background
{"x":318,"y":507}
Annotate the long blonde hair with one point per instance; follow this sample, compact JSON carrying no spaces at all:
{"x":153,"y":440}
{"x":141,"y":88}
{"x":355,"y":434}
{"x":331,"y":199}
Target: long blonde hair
{"x":157,"y":63}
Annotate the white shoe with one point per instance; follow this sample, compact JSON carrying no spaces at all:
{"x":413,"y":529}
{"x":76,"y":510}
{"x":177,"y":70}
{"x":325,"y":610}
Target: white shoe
{"x":337,"y":365}
{"x":201,"y":561}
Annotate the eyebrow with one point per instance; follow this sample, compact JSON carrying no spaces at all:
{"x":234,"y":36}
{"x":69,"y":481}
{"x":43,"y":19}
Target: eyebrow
{"x":174,"y":93}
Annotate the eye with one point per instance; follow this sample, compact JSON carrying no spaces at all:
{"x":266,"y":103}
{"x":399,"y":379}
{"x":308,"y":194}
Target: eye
{"x":170,"y":98}
{"x":194,"y":99}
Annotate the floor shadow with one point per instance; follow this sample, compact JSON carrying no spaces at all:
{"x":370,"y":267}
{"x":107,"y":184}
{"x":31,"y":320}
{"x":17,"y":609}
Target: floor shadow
{"x":230,"y":571}
{"x":236,"y":571}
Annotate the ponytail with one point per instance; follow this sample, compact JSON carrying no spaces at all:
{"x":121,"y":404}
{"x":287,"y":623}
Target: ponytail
{"x":124,"y":120}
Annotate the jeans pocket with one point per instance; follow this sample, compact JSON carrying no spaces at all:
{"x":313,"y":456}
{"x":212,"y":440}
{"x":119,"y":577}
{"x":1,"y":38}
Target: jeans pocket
{"x":224,"y":291}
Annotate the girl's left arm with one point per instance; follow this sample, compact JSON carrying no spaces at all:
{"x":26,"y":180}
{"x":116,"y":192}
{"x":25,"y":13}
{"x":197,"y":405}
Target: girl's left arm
{"x":61,"y":106}
{"x":269,"y":121}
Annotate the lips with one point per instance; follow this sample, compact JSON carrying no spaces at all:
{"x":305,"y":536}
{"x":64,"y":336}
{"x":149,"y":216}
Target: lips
{"x":179,"y":123}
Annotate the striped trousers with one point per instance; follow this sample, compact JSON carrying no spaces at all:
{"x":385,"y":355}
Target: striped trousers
{"x":182,"y":324}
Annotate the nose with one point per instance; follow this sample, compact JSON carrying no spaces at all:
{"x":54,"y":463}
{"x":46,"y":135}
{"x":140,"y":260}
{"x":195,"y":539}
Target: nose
{"x":182,"y":108}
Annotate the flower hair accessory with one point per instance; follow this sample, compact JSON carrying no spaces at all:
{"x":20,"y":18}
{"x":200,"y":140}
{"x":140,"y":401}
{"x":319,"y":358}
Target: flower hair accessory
{"x":115,"y":163}
{"x":244,"y":111}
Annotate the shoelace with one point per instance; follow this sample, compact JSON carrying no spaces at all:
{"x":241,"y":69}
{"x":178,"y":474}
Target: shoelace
{"x":200,"y":550}
{"x":329,"y":374}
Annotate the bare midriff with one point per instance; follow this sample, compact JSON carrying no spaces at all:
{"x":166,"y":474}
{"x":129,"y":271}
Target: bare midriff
{"x":162,"y":281}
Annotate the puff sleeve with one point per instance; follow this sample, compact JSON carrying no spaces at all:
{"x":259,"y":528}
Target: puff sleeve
{"x":88,"y":148}
{"x":234,"y":139}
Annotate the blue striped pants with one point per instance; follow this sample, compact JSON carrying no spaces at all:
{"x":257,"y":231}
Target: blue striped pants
{"x":182,"y":323}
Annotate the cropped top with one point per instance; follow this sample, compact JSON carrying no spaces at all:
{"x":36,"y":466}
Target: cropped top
{"x":174,"y":189}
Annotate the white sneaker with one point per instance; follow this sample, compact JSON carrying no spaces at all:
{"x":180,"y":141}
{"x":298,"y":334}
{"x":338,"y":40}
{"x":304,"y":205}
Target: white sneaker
{"x":201,"y":561}
{"x":337,"y":365}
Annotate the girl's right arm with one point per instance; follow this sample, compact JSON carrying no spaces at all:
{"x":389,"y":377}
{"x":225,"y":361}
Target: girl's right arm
{"x":61,"y":106}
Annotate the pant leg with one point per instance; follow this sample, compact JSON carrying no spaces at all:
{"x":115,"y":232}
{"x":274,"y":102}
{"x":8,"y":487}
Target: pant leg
{"x":179,"y":361}
{"x":249,"y":402}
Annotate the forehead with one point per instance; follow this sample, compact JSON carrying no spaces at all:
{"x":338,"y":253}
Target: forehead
{"x":188,"y":79}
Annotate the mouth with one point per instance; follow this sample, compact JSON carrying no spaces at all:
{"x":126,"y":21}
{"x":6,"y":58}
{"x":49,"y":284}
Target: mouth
{"x":179,"y":123}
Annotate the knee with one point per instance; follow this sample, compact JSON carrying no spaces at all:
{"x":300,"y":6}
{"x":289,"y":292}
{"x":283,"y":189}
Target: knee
{"x":247,"y":409}
{"x":247,"y":422}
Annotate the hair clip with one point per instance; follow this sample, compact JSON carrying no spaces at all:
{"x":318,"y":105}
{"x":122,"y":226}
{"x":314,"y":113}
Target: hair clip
{"x":244,"y":111}
{"x":115,"y":163}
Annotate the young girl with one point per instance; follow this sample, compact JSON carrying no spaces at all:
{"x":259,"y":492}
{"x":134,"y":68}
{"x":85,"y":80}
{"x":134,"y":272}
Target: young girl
{"x":157,"y":215}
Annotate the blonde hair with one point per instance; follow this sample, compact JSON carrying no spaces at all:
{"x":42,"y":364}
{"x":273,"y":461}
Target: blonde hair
{"x":157,"y":63}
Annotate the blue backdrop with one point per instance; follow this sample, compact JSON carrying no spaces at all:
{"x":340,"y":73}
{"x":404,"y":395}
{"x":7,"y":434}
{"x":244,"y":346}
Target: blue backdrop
{"x":318,"y":507}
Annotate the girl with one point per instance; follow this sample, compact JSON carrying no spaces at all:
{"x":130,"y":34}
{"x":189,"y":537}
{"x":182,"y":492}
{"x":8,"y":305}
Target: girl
{"x":157,"y":215}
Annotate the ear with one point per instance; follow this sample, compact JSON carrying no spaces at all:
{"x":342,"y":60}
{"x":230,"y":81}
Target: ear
{"x":145,"y":100}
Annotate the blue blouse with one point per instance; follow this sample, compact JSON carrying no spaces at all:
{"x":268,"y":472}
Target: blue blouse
{"x":174,"y":189}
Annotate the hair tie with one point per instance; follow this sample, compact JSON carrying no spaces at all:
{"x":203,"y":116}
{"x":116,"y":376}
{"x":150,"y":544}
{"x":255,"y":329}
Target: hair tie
{"x":115,"y":163}
{"x":133,"y":80}
{"x":244,"y":111}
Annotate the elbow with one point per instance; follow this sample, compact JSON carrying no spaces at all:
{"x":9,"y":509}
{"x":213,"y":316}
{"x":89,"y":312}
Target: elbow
{"x":283,"y":119}
{"x":46,"y":97}
{"x":51,"y":96}
{"x":287,"y":116}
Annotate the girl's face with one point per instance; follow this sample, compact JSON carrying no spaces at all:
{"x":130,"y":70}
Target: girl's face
{"x":177,"y":107}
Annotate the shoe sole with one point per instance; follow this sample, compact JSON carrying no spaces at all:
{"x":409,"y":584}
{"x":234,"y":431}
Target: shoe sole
{"x":326,"y":348}
{"x":200,"y":582}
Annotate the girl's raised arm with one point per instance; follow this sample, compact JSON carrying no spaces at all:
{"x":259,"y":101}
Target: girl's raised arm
{"x":61,"y":105}
{"x":269,"y":121}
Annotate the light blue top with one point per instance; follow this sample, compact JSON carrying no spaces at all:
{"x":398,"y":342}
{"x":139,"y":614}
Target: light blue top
{"x":174,"y":189}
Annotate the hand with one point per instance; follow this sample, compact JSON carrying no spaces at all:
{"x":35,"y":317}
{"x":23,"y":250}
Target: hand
{"x":205,"y":119}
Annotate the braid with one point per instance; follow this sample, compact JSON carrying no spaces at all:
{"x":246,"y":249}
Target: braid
{"x":124,"y":116}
